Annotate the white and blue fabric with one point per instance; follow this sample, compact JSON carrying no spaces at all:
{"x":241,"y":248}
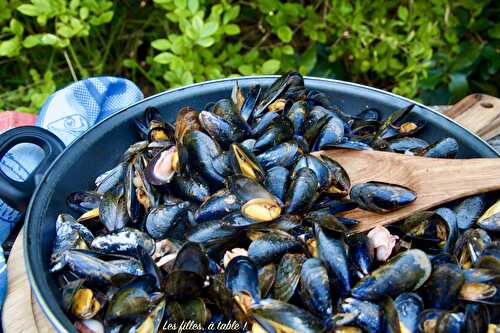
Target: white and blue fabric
{"x":67,"y":113}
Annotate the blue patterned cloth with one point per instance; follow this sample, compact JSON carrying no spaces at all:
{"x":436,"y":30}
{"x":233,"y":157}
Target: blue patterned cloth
{"x":67,"y":113}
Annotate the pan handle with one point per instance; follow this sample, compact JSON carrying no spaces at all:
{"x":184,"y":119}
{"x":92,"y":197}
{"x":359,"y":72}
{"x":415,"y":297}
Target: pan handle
{"x":17,"y":194}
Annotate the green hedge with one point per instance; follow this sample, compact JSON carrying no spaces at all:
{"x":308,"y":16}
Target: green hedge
{"x":433,"y":50}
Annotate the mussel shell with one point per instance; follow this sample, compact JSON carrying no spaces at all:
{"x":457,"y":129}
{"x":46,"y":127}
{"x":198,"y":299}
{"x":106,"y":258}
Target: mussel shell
{"x":331,"y":133}
{"x":389,"y":322}
{"x":317,"y":166}
{"x":201,"y":151}
{"x":271,"y":246}
{"x":280,"y":130}
{"x":490,"y":220}
{"x":263,"y":123}
{"x":360,"y":254}
{"x":368,"y":314}
{"x":442,"y":288}
{"x":191,"y":188}
{"x":277,"y":181}
{"x":192,"y":310}
{"x":84,"y":201}
{"x":338,"y":181}
{"x":228,"y":111}
{"x":251,"y":100}
{"x":297,"y":115}
{"x":371,"y":114}
{"x":70,"y":235}
{"x":477,"y":318}
{"x":126,"y":241}
{"x":283,"y":315}
{"x":284,"y":154}
{"x":219,"y":129}
{"x":242,"y":275}
{"x":267,"y":276}
{"x":287,"y":276}
{"x":405,"y":272}
{"x":192,"y":258}
{"x":469,"y":210}
{"x":444,"y":148}
{"x":217,"y":206}
{"x":470,"y":245}
{"x":332,"y":251}
{"x":160,"y":169}
{"x":450,"y":322}
{"x":245,"y":163}
{"x":302,"y":191}
{"x":402,"y":145}
{"x":113,"y":211}
{"x":129,"y":303}
{"x":211,"y":233}
{"x":315,"y":288}
{"x":427,"y":320}
{"x":409,"y":306}
{"x":161,"y":221}
{"x":382,"y":197}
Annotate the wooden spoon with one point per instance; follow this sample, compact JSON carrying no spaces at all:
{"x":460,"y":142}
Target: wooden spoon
{"x":436,"y":181}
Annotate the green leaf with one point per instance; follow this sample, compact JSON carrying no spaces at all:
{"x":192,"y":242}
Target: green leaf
{"x":161,"y":44}
{"x":84,"y":13}
{"x":29,"y":10}
{"x":308,"y":59}
{"x":16,"y":27}
{"x":458,"y":86}
{"x":209,"y":29}
{"x":193,"y":6}
{"x":285,"y":34}
{"x":197,"y":23}
{"x":288,"y":50}
{"x":164,"y":58}
{"x":10,"y":47}
{"x":205,"y":42}
{"x":470,"y":53}
{"x":40,"y":39}
{"x":271,"y":66}
{"x":231,"y":29}
{"x":102,"y":19}
{"x":231,"y":14}
{"x":246,"y":69}
{"x":180,"y":4}
{"x":403,"y":13}
{"x":495,"y":31}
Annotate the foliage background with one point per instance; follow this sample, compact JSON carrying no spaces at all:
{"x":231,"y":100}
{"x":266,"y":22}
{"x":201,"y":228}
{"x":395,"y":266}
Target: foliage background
{"x":436,"y":51}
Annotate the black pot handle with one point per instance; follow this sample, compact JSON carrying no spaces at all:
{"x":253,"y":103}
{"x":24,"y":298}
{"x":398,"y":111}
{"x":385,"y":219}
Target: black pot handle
{"x":17,"y":194}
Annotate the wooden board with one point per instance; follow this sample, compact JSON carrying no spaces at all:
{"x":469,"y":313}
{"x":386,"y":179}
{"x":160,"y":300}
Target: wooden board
{"x":21,"y":313}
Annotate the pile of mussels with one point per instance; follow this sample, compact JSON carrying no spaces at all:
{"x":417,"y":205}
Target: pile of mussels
{"x":228,"y":221}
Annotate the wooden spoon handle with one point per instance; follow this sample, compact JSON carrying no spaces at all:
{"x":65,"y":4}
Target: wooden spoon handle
{"x":478,"y":113}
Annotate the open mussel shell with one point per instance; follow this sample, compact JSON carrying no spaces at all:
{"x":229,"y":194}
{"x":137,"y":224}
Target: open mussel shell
{"x":227,"y":110}
{"x":490,"y":220}
{"x":84,"y":304}
{"x":409,"y":306}
{"x":382,"y":197}
{"x":245,"y":163}
{"x":315,"y":288}
{"x":405,"y":272}
{"x":251,"y":100}
{"x":185,"y":121}
{"x":242,"y":276}
{"x":287,"y":276}
{"x":332,"y":250}
{"x":257,"y":203}
{"x":285,"y":317}
{"x":302,"y":191}
{"x":338,"y":181}
{"x":161,"y":168}
{"x":271,"y":246}
{"x":469,"y":247}
{"x":113,"y":211}
{"x":277,"y":181}
{"x":434,"y":232}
